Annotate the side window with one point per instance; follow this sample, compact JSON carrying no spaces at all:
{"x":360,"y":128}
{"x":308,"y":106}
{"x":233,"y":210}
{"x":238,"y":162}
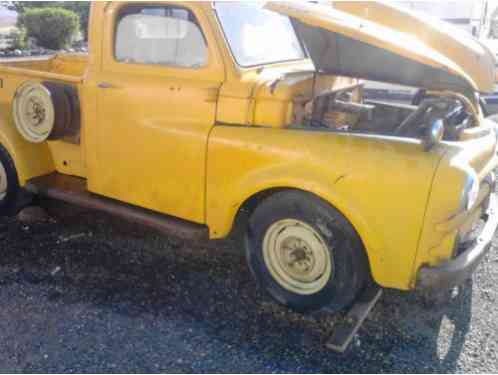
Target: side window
{"x":160,"y":35}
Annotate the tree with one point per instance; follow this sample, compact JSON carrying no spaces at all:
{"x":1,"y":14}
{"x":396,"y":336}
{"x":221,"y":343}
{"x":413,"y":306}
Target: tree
{"x":52,"y":28}
{"x":81,"y":8}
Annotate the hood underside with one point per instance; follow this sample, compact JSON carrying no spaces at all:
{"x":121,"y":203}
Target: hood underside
{"x":350,"y":44}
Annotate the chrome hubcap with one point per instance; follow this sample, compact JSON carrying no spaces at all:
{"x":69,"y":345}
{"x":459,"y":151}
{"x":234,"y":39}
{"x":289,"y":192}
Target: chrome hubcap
{"x":297,"y":257}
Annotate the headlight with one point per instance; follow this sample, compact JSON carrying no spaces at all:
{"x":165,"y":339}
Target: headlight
{"x":470,"y":191}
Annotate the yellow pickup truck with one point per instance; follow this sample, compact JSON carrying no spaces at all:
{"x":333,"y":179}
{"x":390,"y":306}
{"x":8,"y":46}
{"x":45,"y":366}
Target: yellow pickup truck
{"x":198,"y":118}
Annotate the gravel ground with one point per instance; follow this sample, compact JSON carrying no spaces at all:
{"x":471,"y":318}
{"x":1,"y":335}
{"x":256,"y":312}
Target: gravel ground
{"x":85,"y":292}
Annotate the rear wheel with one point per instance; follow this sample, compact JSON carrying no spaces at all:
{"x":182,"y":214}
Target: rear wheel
{"x":305,"y":253}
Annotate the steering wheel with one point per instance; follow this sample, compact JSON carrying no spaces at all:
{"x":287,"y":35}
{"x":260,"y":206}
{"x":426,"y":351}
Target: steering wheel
{"x":416,"y":117}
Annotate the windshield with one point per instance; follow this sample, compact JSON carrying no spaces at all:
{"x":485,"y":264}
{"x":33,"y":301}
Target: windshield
{"x":258,"y":36}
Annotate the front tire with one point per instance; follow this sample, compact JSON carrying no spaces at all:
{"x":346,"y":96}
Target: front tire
{"x":305,"y":253}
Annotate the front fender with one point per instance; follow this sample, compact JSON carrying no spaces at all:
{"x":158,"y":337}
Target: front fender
{"x":380,"y":185}
{"x":278,"y":177}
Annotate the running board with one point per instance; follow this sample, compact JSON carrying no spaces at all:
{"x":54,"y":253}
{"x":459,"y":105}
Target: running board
{"x":344,"y":332}
{"x":73,"y":190}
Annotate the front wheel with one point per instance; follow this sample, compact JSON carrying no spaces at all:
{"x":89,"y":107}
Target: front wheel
{"x":305,"y":253}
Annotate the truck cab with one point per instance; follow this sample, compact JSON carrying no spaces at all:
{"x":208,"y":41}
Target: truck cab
{"x":197,"y":118}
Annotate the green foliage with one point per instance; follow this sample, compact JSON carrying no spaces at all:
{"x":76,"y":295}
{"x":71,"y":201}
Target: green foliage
{"x":81,"y":8}
{"x":17,"y":39}
{"x":52,"y":28}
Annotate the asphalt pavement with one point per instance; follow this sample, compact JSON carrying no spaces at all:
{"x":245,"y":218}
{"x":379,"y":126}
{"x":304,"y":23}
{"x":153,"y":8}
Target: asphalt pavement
{"x":87,"y":293}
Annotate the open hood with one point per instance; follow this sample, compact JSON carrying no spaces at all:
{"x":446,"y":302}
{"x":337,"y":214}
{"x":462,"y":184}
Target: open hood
{"x":379,"y":48}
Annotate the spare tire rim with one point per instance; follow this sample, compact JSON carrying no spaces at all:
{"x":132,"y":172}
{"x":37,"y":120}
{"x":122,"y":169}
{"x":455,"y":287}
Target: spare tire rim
{"x":3,"y":182}
{"x":297,"y":257}
{"x":34,"y":112}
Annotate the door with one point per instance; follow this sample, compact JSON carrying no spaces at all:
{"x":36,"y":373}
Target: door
{"x":157,"y":92}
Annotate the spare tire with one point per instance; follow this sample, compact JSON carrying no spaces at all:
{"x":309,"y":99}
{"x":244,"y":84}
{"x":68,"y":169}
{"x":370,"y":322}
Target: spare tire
{"x":42,"y":111}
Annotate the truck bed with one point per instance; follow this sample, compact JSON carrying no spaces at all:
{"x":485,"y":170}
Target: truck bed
{"x":64,"y":67}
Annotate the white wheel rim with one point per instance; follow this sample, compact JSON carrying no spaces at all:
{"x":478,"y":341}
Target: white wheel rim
{"x":297,"y":257}
{"x":34,"y":112}
{"x":3,"y":182}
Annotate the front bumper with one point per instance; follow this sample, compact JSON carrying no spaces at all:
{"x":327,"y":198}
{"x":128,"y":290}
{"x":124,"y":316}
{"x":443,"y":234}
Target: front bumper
{"x":459,"y":269}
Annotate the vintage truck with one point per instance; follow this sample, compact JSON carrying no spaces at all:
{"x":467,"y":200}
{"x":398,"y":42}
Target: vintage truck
{"x":208,"y":119}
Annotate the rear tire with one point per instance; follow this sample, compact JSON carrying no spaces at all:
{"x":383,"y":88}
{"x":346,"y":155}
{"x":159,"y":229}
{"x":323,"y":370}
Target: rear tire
{"x":9,"y":185}
{"x":304,"y":253}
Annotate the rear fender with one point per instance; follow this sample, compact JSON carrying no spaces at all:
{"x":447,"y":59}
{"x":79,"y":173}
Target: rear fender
{"x":31,"y":160}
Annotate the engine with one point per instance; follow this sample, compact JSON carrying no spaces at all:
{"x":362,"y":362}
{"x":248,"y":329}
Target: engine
{"x":345,"y":111}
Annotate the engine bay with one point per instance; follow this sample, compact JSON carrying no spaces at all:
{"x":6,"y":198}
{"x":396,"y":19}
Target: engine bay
{"x":346,"y":111}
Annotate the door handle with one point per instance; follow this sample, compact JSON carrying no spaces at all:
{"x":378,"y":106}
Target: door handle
{"x":106,"y":85}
